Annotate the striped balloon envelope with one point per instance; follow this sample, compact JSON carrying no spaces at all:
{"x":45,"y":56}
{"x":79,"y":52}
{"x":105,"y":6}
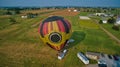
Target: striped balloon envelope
{"x":55,"y":31}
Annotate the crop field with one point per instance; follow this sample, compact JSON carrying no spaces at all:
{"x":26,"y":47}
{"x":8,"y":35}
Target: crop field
{"x":20,"y":45}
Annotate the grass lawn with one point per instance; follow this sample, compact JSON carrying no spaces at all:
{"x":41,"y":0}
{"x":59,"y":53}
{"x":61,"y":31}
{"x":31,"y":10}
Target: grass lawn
{"x":88,"y":24}
{"x":109,"y":28}
{"x":20,"y":45}
{"x":85,"y":13}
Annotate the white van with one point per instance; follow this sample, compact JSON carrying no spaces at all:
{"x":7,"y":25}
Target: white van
{"x":62,"y":54}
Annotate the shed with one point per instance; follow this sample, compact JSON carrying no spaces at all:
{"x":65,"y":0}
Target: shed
{"x":104,"y":21}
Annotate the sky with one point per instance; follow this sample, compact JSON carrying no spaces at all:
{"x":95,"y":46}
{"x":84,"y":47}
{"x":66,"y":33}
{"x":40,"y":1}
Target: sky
{"x":43,"y":3}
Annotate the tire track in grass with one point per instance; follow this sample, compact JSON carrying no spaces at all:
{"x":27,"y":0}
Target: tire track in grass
{"x":107,"y":32}
{"x":13,"y":34}
{"x":20,"y":31}
{"x":110,"y":34}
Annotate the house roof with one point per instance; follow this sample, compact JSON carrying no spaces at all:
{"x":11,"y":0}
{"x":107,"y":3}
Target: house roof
{"x":93,"y":53}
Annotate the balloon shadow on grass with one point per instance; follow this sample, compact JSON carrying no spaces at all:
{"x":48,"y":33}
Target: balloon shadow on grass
{"x":77,"y":36}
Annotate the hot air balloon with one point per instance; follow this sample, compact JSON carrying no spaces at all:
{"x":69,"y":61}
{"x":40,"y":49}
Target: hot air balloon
{"x":55,"y":31}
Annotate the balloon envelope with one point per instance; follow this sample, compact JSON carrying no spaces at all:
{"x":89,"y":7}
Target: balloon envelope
{"x":55,"y":31}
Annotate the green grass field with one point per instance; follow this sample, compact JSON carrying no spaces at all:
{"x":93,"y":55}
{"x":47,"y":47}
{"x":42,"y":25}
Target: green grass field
{"x":20,"y":45}
{"x":109,"y":28}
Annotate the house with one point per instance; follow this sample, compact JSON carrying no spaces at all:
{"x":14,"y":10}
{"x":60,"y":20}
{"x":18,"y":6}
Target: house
{"x":93,"y":55}
{"x":104,"y":21}
{"x":100,"y":14}
{"x":118,"y":21}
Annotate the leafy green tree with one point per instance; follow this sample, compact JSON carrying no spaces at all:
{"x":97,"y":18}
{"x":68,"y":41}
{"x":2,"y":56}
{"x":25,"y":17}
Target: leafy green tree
{"x":17,"y":11}
{"x":12,"y":20}
{"x":111,"y":20}
{"x":8,"y":13}
{"x":100,"y":22}
{"x":115,"y":27}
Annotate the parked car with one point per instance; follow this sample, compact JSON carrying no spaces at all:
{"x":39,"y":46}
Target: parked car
{"x":115,"y":58}
{"x":65,"y":51}
{"x":102,"y":63}
{"x":102,"y":55}
{"x":62,"y":54}
{"x":83,"y":58}
{"x":109,"y":56}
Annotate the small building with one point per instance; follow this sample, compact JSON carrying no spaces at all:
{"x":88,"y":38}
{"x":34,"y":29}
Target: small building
{"x":104,"y":21}
{"x":74,"y":10}
{"x":93,"y":55}
{"x":100,"y":14}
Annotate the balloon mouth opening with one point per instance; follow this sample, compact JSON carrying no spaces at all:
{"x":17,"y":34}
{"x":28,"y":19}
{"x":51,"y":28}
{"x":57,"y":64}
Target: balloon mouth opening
{"x":55,"y":37}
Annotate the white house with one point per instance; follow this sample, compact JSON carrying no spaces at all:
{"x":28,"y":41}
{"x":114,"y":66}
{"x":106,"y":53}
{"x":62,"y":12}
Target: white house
{"x":75,"y":10}
{"x":118,"y":21}
{"x":99,"y":14}
{"x":104,"y":20}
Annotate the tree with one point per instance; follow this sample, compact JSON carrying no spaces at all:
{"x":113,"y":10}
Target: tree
{"x":115,"y":27}
{"x":12,"y":20}
{"x":8,"y":13}
{"x":111,"y":20}
{"x":17,"y":11}
{"x":100,"y":22}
